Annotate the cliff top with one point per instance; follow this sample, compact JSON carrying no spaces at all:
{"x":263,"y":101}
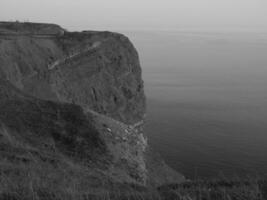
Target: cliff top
{"x":29,"y":28}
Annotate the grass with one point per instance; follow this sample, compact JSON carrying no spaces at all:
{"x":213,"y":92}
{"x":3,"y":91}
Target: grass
{"x":41,"y":181}
{"x":217,"y":189}
{"x":37,"y":182}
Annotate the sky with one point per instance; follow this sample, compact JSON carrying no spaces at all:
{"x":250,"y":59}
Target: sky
{"x":248,"y":15}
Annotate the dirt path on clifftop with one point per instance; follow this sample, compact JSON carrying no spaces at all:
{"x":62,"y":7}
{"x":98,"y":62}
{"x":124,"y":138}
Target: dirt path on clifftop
{"x":57,"y":62}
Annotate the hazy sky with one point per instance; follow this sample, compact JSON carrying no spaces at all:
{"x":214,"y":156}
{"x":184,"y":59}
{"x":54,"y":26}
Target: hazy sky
{"x":140,"y":14}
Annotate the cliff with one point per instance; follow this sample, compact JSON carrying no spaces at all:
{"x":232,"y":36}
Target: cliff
{"x":97,"y":70}
{"x":71,"y":111}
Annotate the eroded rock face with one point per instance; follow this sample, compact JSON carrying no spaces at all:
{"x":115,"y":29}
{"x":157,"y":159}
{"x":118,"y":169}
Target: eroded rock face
{"x":104,"y":76}
{"x":97,"y":70}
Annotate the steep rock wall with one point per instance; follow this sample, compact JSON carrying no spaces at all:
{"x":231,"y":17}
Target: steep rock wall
{"x":97,"y":70}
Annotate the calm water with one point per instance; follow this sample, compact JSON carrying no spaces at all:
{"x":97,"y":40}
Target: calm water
{"x":207,"y":100}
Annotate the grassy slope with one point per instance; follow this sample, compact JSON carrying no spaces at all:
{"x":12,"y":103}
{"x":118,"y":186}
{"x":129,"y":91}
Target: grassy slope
{"x":50,"y":150}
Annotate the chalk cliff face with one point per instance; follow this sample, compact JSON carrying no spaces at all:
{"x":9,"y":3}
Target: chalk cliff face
{"x":74,"y":101}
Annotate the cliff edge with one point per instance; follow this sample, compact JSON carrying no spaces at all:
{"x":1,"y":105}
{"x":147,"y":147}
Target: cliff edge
{"x":72,"y":111}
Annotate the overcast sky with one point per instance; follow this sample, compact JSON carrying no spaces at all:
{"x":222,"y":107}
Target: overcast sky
{"x":140,"y":14}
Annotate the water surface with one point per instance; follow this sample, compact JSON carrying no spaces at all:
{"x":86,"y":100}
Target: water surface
{"x":207,"y":100}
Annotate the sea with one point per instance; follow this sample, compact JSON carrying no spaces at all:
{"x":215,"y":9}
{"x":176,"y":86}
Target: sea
{"x":206,"y":100}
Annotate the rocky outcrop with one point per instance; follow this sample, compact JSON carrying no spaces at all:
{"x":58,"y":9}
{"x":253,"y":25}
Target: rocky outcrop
{"x":74,"y":101}
{"x":97,"y":70}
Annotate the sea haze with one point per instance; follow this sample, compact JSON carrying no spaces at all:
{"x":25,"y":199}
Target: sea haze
{"x":207,"y":100}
